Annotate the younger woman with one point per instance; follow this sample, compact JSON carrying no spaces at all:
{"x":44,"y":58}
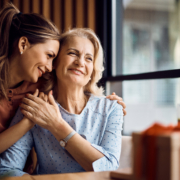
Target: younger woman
{"x":28,"y":45}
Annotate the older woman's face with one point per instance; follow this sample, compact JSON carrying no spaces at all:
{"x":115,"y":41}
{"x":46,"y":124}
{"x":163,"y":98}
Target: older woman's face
{"x":75,"y":61}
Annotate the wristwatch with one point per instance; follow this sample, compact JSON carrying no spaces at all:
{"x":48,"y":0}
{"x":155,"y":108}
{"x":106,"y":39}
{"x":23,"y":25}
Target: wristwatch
{"x":64,"y":141}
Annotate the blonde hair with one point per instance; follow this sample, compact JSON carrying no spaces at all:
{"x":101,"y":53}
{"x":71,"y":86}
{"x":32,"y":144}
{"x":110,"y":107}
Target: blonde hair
{"x":14,"y":25}
{"x":49,"y":80}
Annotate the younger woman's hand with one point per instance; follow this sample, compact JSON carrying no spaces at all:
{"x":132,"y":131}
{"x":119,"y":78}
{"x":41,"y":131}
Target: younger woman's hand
{"x":25,"y":119}
{"x":120,"y":101}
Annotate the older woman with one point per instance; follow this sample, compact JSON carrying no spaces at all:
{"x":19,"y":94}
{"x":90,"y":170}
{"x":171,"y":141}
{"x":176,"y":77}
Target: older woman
{"x":79,"y":132}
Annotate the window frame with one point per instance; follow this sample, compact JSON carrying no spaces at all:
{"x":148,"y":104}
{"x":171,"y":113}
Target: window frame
{"x":106,"y":10}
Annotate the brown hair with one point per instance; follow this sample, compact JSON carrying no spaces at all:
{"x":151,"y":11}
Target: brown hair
{"x":98,"y":68}
{"x":14,"y":25}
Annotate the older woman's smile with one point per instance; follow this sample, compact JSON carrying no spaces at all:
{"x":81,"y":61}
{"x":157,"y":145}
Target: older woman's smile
{"x":76,"y":71}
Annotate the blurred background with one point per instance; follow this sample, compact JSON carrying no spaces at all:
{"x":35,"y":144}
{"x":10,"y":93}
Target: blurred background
{"x":141,"y":41}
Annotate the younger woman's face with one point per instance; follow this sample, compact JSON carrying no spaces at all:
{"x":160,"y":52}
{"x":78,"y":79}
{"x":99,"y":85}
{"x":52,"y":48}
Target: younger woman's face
{"x":75,"y":61}
{"x":37,"y":59}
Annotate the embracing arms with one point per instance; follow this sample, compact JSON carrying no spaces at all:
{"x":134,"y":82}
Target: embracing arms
{"x":104,"y":156}
{"x":14,"y":133}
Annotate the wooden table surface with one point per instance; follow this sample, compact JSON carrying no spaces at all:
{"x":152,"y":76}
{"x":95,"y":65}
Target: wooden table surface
{"x":106,"y":175}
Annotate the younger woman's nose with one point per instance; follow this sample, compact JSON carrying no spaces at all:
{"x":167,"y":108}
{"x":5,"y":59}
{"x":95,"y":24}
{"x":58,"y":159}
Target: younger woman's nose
{"x":49,"y":66}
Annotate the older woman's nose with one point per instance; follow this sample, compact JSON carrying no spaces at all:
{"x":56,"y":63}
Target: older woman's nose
{"x":80,"y":61}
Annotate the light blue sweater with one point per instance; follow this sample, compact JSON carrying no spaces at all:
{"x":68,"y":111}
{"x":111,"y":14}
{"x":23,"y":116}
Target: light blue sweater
{"x":100,"y":123}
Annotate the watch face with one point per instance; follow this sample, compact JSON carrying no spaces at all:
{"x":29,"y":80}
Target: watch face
{"x":62,"y":143}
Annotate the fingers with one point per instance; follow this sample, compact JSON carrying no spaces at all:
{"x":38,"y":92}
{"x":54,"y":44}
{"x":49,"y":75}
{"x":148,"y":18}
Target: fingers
{"x":114,"y":97}
{"x":29,"y":102}
{"x":33,"y":98}
{"x":46,"y":98}
{"x":43,"y":96}
{"x":124,"y":112}
{"x":27,"y":114}
{"x":32,"y":117}
{"x":36,"y":93}
{"x":122,"y":104}
{"x":51,"y":98}
{"x":26,"y":107}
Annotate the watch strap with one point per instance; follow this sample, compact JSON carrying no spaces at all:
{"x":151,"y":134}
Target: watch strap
{"x":69,"y":136}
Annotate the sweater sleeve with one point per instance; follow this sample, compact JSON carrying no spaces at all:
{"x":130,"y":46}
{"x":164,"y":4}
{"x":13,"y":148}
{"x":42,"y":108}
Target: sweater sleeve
{"x":12,"y":161}
{"x":111,"y":142}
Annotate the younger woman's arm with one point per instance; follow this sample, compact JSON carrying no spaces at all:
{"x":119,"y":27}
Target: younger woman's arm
{"x":14,"y":133}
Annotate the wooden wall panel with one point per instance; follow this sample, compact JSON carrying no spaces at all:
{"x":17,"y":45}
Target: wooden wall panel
{"x":36,"y":6}
{"x":68,"y":22}
{"x":64,"y":13}
{"x":57,"y":18}
{"x":46,"y":8}
{"x":26,"y":6}
{"x":91,"y":14}
{"x":79,"y":13}
{"x":16,"y":3}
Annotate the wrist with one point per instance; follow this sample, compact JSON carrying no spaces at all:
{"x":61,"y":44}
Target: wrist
{"x":62,"y":130}
{"x":27,"y":122}
{"x":63,"y":142}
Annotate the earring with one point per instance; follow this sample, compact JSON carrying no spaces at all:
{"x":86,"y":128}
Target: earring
{"x":89,"y":78}
{"x":21,"y":52}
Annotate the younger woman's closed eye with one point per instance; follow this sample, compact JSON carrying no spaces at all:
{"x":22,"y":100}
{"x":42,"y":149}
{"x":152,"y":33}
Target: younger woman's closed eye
{"x":50,"y":56}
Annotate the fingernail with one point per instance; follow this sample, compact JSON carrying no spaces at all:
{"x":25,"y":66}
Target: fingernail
{"x":52,"y":92}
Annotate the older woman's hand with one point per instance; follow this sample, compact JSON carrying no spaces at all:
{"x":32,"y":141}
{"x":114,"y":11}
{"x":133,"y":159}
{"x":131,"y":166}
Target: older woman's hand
{"x":113,"y":96}
{"x":44,"y":111}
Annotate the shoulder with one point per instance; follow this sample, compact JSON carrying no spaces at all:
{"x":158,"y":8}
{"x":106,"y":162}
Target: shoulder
{"x":102,"y":105}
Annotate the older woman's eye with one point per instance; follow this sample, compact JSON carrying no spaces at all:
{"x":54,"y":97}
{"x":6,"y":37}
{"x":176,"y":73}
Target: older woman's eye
{"x":73,"y":53}
{"x":89,"y":59}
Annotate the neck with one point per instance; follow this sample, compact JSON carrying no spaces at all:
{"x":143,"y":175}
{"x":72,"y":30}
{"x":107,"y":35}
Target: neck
{"x":15,"y":78}
{"x":71,"y":98}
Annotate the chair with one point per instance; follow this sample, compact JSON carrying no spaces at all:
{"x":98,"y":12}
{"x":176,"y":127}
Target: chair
{"x":126,"y":153}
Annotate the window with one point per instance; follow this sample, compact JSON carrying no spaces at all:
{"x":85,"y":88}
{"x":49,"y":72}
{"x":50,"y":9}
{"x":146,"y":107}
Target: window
{"x":143,"y":59}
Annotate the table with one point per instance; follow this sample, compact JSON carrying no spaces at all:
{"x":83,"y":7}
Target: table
{"x":106,"y":175}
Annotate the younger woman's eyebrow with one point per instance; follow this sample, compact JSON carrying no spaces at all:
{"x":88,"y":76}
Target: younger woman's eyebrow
{"x":53,"y":54}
